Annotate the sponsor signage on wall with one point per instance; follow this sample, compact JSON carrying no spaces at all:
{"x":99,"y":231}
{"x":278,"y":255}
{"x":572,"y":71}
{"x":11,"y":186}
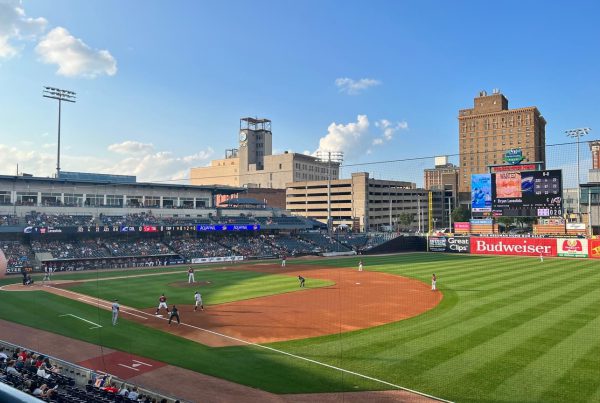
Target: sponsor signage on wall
{"x":594,"y":248}
{"x":572,"y":247}
{"x":576,"y":226}
{"x":453,"y":244}
{"x":513,"y":246}
{"x":481,"y":193}
{"x":437,"y":244}
{"x":217,"y":259}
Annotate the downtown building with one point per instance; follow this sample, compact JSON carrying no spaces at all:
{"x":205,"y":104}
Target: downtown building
{"x":489,"y":129}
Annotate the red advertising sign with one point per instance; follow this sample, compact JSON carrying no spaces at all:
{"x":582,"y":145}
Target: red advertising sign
{"x":462,"y":226}
{"x":594,"y":246}
{"x":149,"y":228}
{"x":513,"y":246}
{"x":514,"y":168}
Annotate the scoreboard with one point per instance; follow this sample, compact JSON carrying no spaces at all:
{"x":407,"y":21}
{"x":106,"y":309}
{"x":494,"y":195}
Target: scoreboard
{"x":527,"y":194}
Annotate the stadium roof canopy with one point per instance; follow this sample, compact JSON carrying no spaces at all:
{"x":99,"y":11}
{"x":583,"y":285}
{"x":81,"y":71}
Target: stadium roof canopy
{"x":214,"y":189}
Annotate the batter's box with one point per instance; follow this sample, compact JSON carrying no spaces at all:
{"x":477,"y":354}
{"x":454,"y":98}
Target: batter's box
{"x":122,"y":365}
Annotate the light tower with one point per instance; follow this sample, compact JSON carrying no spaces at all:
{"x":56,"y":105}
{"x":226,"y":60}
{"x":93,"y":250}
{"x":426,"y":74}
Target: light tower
{"x":577,"y":133}
{"x":60,"y":95}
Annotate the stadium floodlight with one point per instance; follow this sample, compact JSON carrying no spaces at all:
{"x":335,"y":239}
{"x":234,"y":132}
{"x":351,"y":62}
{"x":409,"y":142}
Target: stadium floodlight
{"x":59,"y":95}
{"x":329,"y":157}
{"x":577,"y":133}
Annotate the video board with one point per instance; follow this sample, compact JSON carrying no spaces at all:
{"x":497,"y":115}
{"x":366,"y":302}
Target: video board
{"x":527,"y":194}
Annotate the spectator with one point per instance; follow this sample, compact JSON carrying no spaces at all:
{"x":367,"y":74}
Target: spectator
{"x":11,"y":370}
{"x":133,"y":395}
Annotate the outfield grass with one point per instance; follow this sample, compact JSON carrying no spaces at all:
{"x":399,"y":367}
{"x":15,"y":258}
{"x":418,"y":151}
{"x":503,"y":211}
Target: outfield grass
{"x":508,"y":330}
{"x":225,"y":286}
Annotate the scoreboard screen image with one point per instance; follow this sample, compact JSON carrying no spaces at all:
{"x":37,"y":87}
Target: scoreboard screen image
{"x":527,"y":194}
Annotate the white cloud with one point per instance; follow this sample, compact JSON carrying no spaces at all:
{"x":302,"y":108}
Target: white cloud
{"x":349,"y":138}
{"x":16,"y":26}
{"x":49,"y":145}
{"x":377,"y":141}
{"x":131,"y":147}
{"x":355,"y":87}
{"x":73,"y":57}
{"x":148,"y":165}
{"x":388,"y":129}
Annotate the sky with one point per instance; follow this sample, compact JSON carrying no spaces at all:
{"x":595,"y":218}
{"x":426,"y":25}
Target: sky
{"x":161,"y":86}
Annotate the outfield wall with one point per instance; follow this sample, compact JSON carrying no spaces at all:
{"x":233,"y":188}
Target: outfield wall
{"x":517,"y":246}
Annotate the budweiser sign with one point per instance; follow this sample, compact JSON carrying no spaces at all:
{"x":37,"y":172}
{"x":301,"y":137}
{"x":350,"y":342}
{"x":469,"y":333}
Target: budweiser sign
{"x":514,"y":246}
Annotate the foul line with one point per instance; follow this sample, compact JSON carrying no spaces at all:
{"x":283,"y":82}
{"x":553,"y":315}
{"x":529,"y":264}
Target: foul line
{"x":96,"y":326}
{"x":107,"y":305}
{"x":249,"y":343}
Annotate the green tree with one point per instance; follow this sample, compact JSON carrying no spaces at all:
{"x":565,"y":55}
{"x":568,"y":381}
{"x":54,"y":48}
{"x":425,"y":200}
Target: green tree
{"x":405,"y":219}
{"x":461,"y":214}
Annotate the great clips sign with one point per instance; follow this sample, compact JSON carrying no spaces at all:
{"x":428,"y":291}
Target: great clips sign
{"x":513,"y":246}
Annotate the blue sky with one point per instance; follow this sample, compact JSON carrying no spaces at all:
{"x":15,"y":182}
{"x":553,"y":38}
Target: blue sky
{"x":161,"y":85}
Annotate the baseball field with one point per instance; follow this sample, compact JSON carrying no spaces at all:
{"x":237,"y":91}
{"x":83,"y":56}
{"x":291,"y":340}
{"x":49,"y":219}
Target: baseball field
{"x":500,"y":329}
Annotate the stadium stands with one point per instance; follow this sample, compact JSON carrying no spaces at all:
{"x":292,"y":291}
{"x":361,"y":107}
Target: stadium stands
{"x":57,"y":220}
{"x":137,"y":247}
{"x":251,"y":246}
{"x":9,"y":220}
{"x":83,"y":249}
{"x":52,"y":380}
{"x":17,"y":255}
{"x":324,"y":242}
{"x":191,"y":248}
{"x":293,"y":246}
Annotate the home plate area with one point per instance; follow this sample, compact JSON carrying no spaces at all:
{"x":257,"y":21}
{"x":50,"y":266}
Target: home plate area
{"x":122,"y":365}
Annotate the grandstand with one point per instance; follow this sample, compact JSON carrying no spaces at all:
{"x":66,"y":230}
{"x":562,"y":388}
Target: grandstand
{"x":49,"y":379}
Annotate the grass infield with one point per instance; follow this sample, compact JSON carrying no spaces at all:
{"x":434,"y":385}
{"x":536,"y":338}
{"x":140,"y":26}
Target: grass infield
{"x":508,"y":329}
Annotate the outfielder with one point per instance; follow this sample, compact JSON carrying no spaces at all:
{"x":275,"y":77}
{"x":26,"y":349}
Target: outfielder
{"x":191,"y":275}
{"x":433,"y":282}
{"x":162,"y":303}
{"x":302,"y":281}
{"x":115,"y":311}
{"x":198,"y":301}
{"x":360,"y":265}
{"x":283,"y":259}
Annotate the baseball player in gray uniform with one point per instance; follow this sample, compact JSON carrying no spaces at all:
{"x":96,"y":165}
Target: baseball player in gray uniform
{"x":115,"y":311}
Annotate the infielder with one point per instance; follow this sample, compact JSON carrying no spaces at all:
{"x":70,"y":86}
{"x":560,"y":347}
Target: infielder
{"x":360,"y":265}
{"x":198,"y":301}
{"x":115,"y":311}
{"x":283,"y":259}
{"x":191,"y":275}
{"x":433,"y":282}
{"x":162,"y":303}
{"x":302,"y":281}
{"x":47,"y":273}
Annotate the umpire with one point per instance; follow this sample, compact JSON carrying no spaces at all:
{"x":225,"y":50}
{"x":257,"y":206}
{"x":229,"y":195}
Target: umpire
{"x":174,"y":314}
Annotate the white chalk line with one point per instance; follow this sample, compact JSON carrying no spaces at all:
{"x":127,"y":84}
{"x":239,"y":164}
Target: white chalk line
{"x":249,"y":343}
{"x":96,"y":326}
{"x":127,"y":366}
{"x":108,"y":305}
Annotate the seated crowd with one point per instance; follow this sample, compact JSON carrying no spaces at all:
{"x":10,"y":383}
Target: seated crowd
{"x":17,"y":254}
{"x":36,"y":219}
{"x":37,"y":375}
{"x":254,"y":246}
{"x":83,"y":249}
{"x":137,"y":247}
{"x":190,"y":248}
{"x":9,"y":220}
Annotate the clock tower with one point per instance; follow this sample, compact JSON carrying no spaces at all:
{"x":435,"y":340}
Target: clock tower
{"x":256,"y":141}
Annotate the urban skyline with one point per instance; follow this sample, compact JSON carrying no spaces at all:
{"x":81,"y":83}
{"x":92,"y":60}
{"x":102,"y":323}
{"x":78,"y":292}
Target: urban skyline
{"x":154,"y":103}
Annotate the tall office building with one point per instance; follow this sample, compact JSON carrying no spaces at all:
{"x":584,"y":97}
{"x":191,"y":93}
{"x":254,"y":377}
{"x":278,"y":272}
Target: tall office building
{"x":489,"y":129}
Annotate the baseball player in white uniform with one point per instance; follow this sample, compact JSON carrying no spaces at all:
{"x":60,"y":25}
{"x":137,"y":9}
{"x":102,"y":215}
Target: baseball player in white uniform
{"x":283,"y":260}
{"x":115,"y":311}
{"x":191,"y":275}
{"x":162,"y":303}
{"x":360,"y":266}
{"x":433,"y":282}
{"x":198,"y":301}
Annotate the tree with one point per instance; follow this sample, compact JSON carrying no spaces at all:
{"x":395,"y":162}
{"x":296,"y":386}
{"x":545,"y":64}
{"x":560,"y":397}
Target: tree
{"x":405,"y":219}
{"x":461,"y":214}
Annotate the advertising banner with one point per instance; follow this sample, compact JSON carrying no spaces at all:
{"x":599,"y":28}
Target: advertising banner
{"x":458,"y":244}
{"x":462,"y":226}
{"x":513,"y":246}
{"x":437,"y":244}
{"x":594,"y":248}
{"x":572,"y":247}
{"x":217,"y":259}
{"x":481,"y":193}
{"x":452,"y":244}
{"x":576,"y":226}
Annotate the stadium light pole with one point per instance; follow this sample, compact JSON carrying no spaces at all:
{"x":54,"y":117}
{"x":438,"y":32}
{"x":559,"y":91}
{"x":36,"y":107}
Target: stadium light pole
{"x":577,"y":133}
{"x":329,"y":157}
{"x":60,"y":96}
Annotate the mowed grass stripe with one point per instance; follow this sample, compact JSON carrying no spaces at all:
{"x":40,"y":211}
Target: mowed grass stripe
{"x":496,"y":311}
{"x":575,"y":335}
{"x":517,"y":340}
